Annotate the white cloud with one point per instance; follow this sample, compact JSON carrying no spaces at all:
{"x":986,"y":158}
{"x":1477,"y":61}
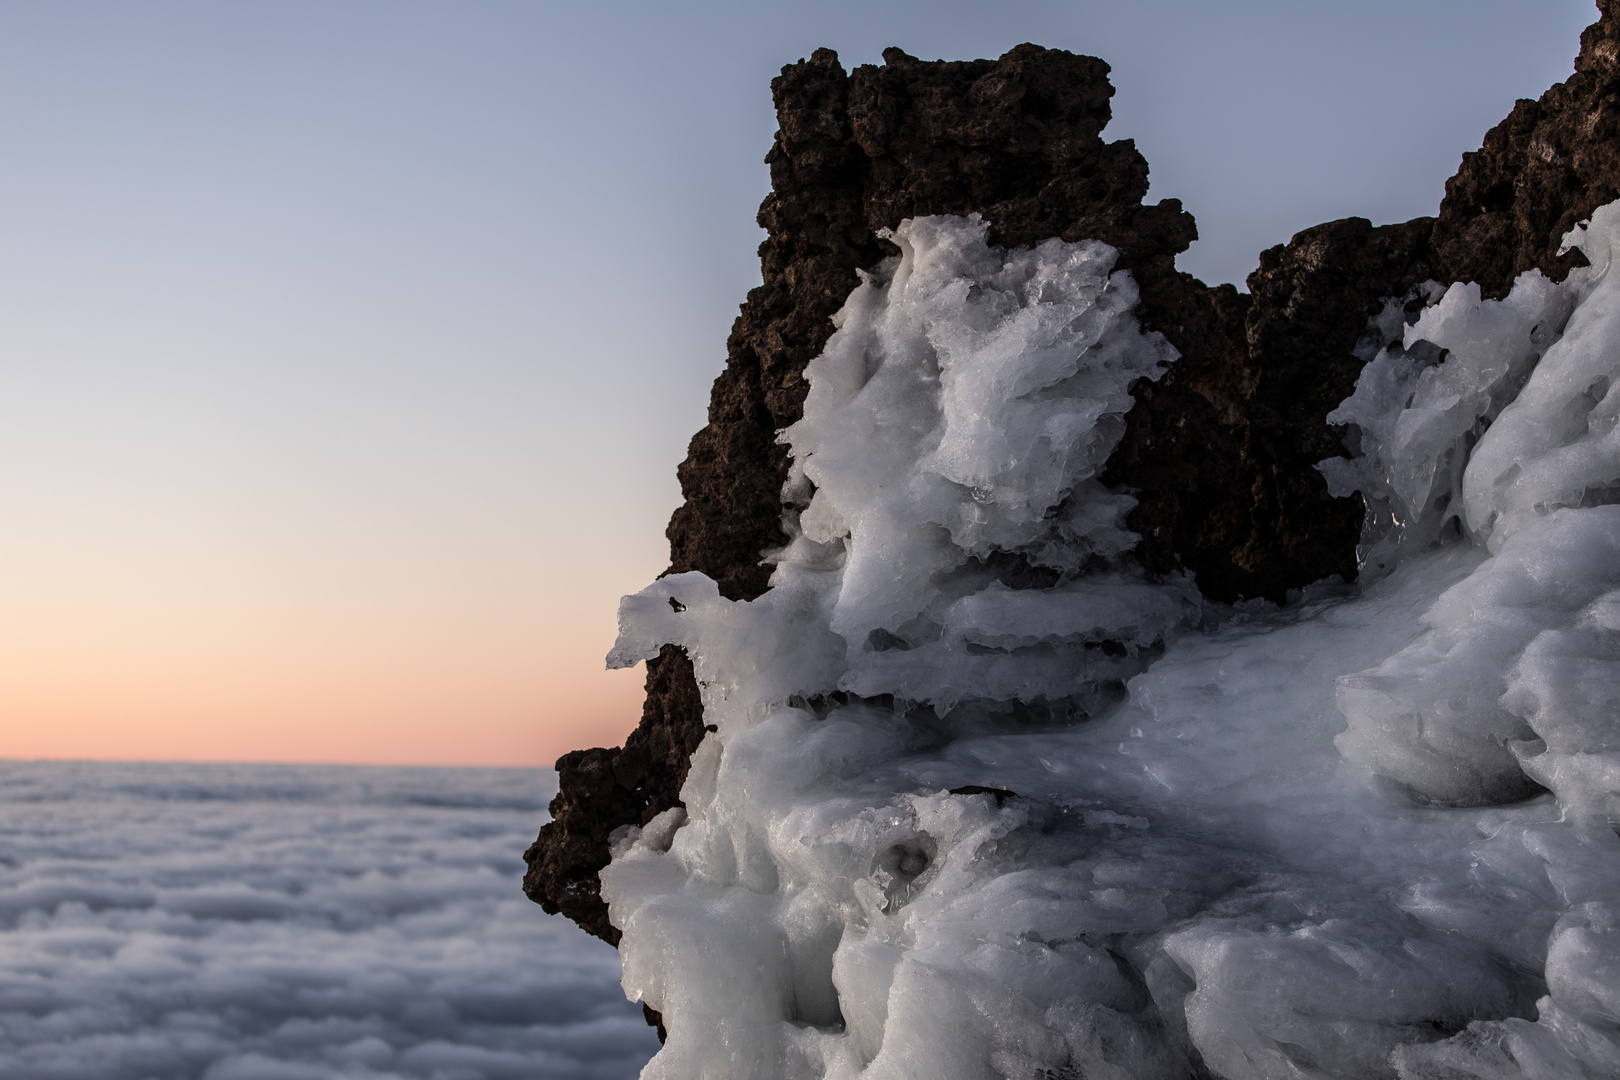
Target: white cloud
{"x":291,"y":923}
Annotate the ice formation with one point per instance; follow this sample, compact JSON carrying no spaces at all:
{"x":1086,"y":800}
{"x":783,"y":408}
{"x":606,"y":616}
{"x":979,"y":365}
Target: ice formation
{"x":982,"y":800}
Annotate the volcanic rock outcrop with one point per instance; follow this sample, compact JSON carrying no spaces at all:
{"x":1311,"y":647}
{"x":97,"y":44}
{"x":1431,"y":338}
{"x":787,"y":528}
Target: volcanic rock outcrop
{"x":1220,"y":454}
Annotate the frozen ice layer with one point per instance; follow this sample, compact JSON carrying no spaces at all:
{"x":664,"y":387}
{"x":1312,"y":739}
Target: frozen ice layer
{"x":1556,"y":443}
{"x":951,"y":439}
{"x":1457,"y":377}
{"x":1563,"y":686}
{"x":981,"y":799}
{"x":1525,"y":382}
{"x":951,"y":542}
{"x":1422,"y":402}
{"x":1436,"y":715}
{"x":974,"y":390}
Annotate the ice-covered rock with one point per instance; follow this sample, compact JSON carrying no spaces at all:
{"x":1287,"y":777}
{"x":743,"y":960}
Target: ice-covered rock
{"x":1423,"y":401}
{"x":954,"y":545}
{"x":1508,"y":437}
{"x":1434,"y":715}
{"x":983,"y":799}
{"x":1556,"y":443}
{"x":1220,"y":453}
{"x":1566,"y":686}
{"x":952,"y":436}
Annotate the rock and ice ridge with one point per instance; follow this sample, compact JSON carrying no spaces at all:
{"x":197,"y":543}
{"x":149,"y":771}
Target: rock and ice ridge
{"x":901,"y":855}
{"x":1510,"y":439}
{"x":950,"y":542}
{"x":1219,"y":454}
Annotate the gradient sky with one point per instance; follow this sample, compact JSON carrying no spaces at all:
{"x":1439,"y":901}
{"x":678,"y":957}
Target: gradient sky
{"x":347,"y":349}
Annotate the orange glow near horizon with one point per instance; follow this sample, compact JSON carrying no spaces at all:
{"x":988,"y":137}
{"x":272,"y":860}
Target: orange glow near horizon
{"x":496,"y":663}
{"x":371,"y":717}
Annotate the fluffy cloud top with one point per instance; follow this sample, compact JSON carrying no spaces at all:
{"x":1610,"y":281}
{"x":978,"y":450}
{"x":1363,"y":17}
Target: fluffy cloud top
{"x":291,"y":923}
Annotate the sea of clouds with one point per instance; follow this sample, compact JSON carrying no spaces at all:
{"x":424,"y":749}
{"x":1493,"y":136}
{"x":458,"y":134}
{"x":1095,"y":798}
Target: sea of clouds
{"x":228,"y":922}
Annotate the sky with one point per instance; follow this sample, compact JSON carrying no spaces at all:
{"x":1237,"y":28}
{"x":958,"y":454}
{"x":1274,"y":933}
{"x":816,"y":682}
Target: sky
{"x":347,"y":349}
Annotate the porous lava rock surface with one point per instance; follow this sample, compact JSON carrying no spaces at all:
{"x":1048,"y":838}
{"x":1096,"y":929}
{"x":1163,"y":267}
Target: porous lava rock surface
{"x":1221,"y":452}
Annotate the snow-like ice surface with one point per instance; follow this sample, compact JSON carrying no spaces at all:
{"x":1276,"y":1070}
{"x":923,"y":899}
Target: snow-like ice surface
{"x":179,"y":922}
{"x":981,"y":800}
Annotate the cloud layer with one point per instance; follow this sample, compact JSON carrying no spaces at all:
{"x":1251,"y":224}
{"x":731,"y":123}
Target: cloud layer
{"x":291,"y":923}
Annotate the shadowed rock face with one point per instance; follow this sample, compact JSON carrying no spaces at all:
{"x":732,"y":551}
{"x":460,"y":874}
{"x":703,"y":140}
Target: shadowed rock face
{"x":1220,"y":453}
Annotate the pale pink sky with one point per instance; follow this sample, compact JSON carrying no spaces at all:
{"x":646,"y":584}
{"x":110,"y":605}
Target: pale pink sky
{"x":347,"y":349}
{"x":202,"y":652}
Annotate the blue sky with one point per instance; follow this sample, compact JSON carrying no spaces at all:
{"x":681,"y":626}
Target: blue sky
{"x":347,"y":349}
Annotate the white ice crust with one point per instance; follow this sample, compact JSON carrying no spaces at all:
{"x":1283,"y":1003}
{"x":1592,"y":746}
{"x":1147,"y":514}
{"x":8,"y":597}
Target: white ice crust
{"x":982,"y":800}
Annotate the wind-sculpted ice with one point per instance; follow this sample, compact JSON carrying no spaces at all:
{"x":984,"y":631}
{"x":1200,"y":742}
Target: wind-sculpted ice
{"x":946,"y":465}
{"x":930,"y":834}
{"x":1414,"y":420}
{"x":1434,"y":715}
{"x":1437,"y":716}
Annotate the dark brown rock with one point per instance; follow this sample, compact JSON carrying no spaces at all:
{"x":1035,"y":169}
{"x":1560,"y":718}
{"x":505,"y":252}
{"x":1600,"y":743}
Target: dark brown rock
{"x":599,"y":790}
{"x":1220,"y":453}
{"x":1256,"y":519}
{"x":1224,"y":450}
{"x":1543,"y":169}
